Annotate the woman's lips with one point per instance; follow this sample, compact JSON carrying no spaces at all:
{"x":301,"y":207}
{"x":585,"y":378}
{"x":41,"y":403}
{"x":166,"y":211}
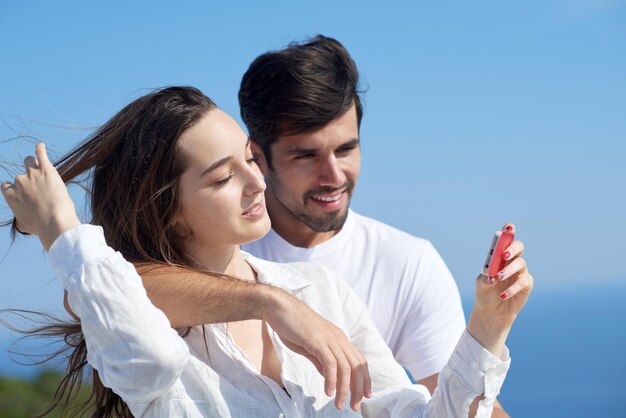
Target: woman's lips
{"x":255,"y":210}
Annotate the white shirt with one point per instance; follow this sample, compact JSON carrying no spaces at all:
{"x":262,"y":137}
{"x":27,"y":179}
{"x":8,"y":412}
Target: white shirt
{"x":408,"y":290}
{"x":159,"y":374}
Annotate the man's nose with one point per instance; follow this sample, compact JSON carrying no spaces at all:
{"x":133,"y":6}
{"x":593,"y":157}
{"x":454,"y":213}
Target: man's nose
{"x":330,"y":172}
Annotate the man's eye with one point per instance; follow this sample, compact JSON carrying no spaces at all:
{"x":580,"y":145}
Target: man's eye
{"x":346,"y":150}
{"x":304,"y":156}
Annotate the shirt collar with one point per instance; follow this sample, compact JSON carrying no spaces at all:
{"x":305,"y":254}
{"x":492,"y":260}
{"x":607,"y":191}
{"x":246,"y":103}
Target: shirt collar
{"x":318,"y":251}
{"x":276,"y":274}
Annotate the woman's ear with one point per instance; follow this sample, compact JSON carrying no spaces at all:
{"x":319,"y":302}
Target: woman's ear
{"x":180,"y":225}
{"x":260,"y":157}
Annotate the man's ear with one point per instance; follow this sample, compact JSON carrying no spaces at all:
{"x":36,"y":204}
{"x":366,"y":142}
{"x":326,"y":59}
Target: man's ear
{"x":260,"y":157}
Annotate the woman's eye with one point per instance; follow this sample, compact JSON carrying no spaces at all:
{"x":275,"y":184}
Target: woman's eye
{"x":253,"y":160}
{"x":224,"y":180}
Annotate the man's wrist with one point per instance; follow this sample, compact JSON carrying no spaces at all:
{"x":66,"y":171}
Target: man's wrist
{"x":273,"y":303}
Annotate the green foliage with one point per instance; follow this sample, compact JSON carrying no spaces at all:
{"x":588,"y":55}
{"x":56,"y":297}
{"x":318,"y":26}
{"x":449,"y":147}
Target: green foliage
{"x":26,"y":398}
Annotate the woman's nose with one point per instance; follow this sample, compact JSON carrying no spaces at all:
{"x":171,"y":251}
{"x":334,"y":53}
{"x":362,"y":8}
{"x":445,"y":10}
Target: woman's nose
{"x":254,"y":180}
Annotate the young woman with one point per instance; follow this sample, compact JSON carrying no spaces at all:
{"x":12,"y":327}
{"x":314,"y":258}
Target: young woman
{"x":174,"y":181}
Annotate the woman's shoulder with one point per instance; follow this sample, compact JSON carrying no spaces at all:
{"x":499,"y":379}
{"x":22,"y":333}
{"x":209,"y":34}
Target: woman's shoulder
{"x":293,"y":276}
{"x":314,"y":284}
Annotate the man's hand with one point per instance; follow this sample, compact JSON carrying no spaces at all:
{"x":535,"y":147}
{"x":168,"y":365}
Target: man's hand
{"x":326,"y":346}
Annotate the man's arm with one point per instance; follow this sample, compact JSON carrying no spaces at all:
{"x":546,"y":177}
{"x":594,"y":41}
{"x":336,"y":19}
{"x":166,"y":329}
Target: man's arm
{"x":190,"y":298}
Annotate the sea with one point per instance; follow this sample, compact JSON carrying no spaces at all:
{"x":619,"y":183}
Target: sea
{"x":568,"y":351}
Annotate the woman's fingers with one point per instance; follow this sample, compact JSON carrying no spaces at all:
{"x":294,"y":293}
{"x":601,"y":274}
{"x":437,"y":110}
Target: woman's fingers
{"x":523,"y":283}
{"x":42,"y":160}
{"x":30,"y":163}
{"x":42,"y":155}
{"x":5,"y":186}
{"x":484,"y":282}
{"x":514,"y":267}
{"x":516,"y":249}
{"x":509,"y":228}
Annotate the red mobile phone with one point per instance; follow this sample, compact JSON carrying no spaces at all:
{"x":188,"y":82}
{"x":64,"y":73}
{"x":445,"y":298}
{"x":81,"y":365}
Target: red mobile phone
{"x":495,"y":262}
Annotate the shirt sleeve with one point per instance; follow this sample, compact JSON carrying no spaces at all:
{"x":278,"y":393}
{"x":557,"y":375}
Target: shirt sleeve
{"x":433,"y":319}
{"x":129,"y":341}
{"x":471,"y":371}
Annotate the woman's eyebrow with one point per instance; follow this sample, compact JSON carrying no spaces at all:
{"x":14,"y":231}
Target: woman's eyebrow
{"x":216,"y":164}
{"x":221,"y":162}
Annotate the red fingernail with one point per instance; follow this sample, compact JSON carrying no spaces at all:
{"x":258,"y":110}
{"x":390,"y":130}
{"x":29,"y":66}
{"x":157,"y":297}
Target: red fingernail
{"x":503,"y":296}
{"x":509,"y":228}
{"x":506,"y":255}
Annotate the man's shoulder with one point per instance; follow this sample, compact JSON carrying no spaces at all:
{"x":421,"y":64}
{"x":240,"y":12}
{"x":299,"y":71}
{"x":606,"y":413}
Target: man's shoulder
{"x":389,"y":238}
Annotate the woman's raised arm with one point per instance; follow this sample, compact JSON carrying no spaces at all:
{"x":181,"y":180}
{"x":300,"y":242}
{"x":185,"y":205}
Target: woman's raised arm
{"x":129,"y":341}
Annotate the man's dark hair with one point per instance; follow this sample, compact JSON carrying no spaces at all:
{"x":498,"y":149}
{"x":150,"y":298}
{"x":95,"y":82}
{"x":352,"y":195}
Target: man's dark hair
{"x":298,"y":89}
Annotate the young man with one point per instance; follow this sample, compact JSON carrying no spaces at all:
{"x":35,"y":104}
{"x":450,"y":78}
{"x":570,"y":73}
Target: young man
{"x":303,"y":111}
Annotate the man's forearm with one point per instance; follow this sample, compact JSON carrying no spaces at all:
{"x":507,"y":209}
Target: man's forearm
{"x":190,"y":298}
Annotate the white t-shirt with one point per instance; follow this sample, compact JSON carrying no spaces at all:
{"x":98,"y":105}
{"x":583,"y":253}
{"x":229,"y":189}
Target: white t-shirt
{"x":410,"y":293}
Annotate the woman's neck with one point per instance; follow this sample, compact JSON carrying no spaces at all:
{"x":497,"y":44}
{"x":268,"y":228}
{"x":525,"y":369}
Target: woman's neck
{"x":227,"y":260}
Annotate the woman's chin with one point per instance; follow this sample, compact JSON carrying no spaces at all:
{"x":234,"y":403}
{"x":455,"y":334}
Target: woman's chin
{"x":259,"y":231}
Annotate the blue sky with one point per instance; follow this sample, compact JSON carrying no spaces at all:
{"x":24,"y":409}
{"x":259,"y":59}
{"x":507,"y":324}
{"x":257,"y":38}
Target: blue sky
{"x":477,"y":113}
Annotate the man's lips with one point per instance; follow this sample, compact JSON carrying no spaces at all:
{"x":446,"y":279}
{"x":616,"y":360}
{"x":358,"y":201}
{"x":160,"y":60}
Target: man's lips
{"x":333,"y":197}
{"x":329,"y":201}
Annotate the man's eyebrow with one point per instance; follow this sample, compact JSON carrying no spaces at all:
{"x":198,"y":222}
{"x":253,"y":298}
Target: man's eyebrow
{"x":301,"y":150}
{"x":350,"y":144}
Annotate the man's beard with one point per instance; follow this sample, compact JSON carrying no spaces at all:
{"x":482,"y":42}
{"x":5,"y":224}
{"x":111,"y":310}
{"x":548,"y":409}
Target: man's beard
{"x":327,"y":222}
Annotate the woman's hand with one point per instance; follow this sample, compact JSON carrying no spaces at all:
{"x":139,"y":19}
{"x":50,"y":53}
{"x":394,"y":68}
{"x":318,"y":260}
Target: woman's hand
{"x":499,"y":299}
{"x":39,"y":199}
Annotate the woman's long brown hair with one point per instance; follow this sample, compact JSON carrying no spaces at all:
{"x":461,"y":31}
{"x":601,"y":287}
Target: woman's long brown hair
{"x":131,"y":166}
